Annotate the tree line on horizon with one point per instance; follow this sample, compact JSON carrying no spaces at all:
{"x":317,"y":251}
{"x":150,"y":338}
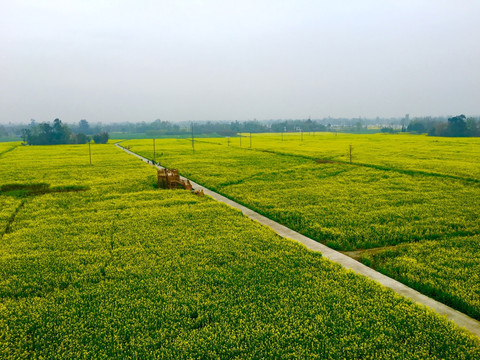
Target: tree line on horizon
{"x":456,"y":126}
{"x":58,"y":133}
{"x":232,"y":128}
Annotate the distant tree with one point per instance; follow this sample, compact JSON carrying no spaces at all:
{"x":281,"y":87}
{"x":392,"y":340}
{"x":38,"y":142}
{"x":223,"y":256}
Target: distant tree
{"x":358,"y":126}
{"x":278,"y":127}
{"x":457,"y":126}
{"x":61,"y":134}
{"x":81,"y":138}
{"x":83,"y":127}
{"x":253,"y":126}
{"x":439,"y":129}
{"x":387,"y":129}
{"x":25,"y":135}
{"x":3,"y":131}
{"x":417,"y":127}
{"x":46,"y":134}
{"x":473,"y":128}
{"x":101,"y":138}
{"x":309,"y":125}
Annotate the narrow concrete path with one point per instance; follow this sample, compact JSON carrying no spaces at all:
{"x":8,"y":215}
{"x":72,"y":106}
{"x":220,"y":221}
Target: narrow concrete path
{"x":459,"y":318}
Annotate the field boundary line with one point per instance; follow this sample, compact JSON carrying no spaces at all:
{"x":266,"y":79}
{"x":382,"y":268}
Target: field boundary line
{"x":8,"y":150}
{"x":11,"y":219}
{"x":456,"y":316}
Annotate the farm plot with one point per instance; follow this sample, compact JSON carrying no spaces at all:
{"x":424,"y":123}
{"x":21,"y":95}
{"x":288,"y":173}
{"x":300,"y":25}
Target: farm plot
{"x":345,"y":206}
{"x":451,"y":157}
{"x":448,"y":270}
{"x":122,"y":270}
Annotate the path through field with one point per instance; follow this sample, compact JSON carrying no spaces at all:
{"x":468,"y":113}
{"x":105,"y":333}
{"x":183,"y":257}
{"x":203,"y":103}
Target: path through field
{"x":459,"y":318}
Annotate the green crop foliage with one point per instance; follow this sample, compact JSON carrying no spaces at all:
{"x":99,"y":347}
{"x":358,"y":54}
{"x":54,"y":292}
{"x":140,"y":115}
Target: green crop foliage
{"x":400,"y":189}
{"x":124,"y":270}
{"x":455,"y":157}
{"x":448,"y":270}
{"x":344,"y":206}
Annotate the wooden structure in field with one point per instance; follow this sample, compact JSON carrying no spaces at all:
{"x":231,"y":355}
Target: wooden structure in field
{"x":170,"y":179}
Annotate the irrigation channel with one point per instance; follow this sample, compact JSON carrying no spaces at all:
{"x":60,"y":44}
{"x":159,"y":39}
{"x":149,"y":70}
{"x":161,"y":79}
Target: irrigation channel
{"x":457,"y":317}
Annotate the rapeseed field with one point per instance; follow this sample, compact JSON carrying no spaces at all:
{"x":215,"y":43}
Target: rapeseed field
{"x":101,"y":264}
{"x":400,"y":190}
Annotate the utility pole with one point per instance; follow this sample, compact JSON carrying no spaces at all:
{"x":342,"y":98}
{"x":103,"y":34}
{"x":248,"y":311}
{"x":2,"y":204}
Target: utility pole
{"x":153,"y":149}
{"x":193,"y":140}
{"x":350,"y":152}
{"x":89,"y":152}
{"x":228,"y":140}
{"x":240,"y":140}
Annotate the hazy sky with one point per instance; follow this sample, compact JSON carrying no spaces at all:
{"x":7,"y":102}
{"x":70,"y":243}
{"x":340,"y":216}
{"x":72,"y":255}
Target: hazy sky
{"x":226,"y":60}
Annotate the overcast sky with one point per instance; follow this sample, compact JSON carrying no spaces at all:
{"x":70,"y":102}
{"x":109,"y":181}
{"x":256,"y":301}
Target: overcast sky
{"x":237,"y":60}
